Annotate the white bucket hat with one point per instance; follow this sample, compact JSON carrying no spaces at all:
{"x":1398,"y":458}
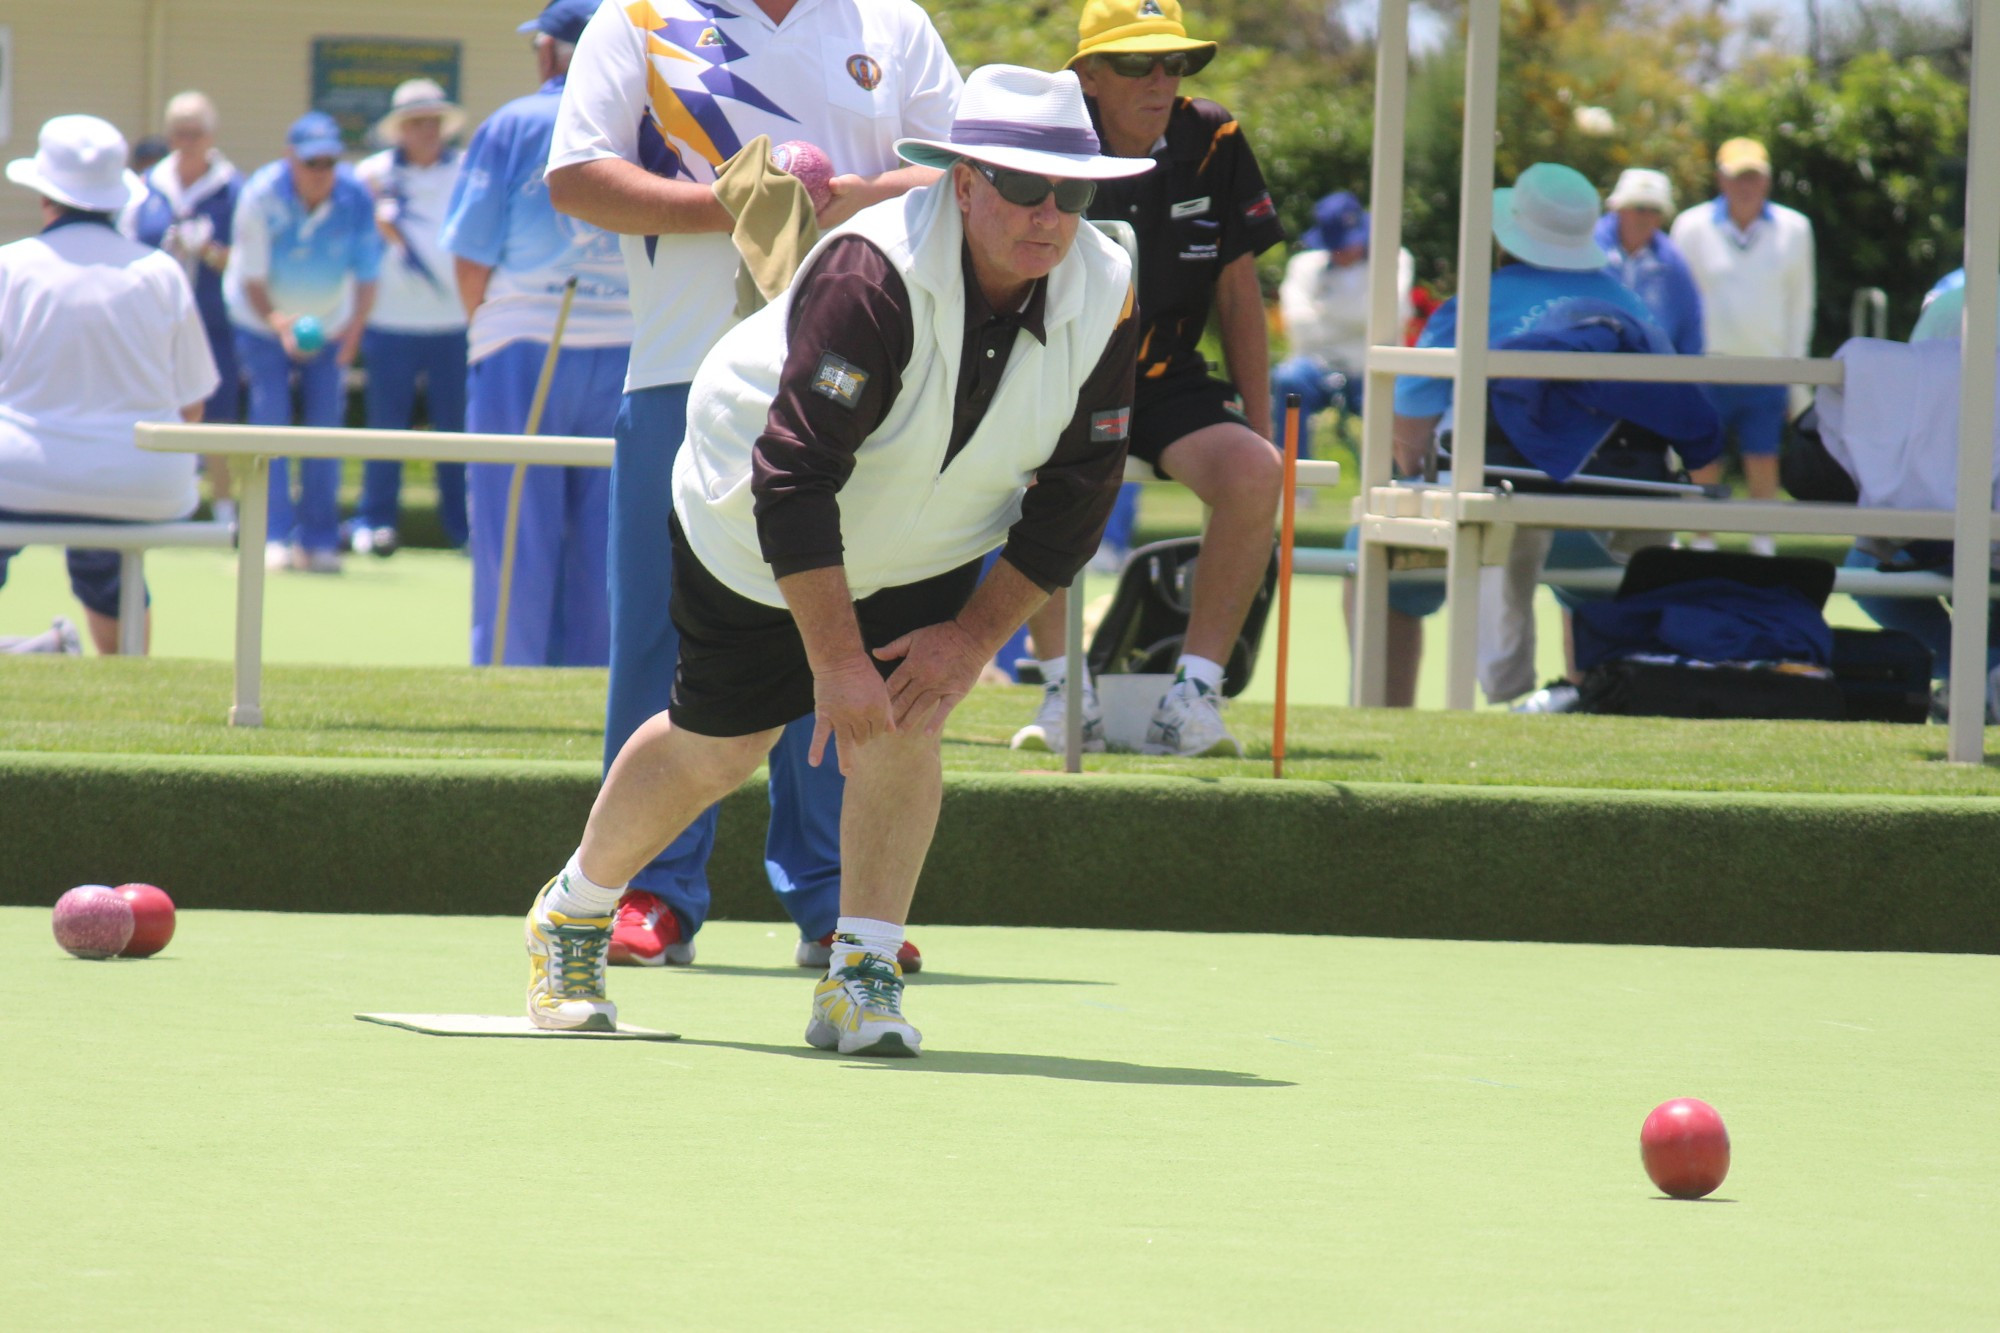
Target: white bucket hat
{"x":1548,"y":218}
{"x":1025,"y":120}
{"x":419,"y":97}
{"x":79,"y":162}
{"x":1639,"y":187}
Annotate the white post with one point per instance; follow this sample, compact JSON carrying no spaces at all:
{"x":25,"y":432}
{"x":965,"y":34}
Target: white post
{"x":1972,"y":530}
{"x":1475,"y":298}
{"x":132,"y":603}
{"x":1073,"y":669}
{"x":1385,"y":243}
{"x":253,"y":518}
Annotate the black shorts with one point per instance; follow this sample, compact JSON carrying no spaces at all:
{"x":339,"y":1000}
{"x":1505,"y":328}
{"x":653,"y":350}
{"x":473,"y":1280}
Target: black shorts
{"x":1164,"y":411}
{"x":743,"y":666}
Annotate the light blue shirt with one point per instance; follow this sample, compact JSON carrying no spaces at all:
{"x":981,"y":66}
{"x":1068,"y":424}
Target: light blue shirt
{"x":500,"y":216}
{"x":1523,"y":296}
{"x":309,"y":260}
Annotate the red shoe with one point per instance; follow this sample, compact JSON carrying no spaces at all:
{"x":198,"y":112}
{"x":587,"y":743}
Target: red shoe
{"x":816,"y":954}
{"x":647,"y":933}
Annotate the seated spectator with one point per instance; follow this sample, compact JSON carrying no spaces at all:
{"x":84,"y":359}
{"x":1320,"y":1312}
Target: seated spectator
{"x":1645,"y":258}
{"x":1943,"y":314}
{"x":1556,"y":292}
{"x":97,"y":333}
{"x":1323,"y":304}
{"x":1891,"y":427}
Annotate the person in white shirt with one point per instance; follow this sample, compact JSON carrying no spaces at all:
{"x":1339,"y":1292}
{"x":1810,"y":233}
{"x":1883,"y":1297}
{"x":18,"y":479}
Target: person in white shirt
{"x":417,"y":328}
{"x":659,"y":97}
{"x":1323,"y":304}
{"x":1753,"y":261}
{"x":97,"y":333}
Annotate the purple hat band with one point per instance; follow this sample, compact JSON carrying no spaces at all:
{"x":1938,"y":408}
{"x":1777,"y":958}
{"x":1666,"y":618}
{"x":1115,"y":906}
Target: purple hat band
{"x":1012,"y":134}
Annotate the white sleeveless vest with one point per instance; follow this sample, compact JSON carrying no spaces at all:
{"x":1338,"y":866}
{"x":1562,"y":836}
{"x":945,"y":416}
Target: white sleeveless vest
{"x":904,"y":516}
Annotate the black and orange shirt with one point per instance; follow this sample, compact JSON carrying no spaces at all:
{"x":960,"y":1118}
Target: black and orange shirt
{"x":1203,"y":205}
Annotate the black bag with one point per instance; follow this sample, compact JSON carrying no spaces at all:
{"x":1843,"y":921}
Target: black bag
{"x":1658,"y":689}
{"x":1143,"y":629}
{"x":1808,"y":471}
{"x":1884,"y":675}
{"x":1628,"y":452}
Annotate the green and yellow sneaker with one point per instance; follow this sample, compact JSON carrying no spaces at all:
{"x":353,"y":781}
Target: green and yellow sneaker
{"x":566,"y":957}
{"x":858,"y":1008}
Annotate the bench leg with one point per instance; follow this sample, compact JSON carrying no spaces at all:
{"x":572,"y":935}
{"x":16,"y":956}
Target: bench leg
{"x":253,"y":514}
{"x":132,"y":604}
{"x":1073,"y":701}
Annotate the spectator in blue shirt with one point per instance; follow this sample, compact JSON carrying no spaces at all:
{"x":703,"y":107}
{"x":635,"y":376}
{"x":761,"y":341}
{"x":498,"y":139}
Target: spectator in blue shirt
{"x":299,"y":286}
{"x":1545,"y":222}
{"x":1646,"y":259}
{"x":189,"y":212}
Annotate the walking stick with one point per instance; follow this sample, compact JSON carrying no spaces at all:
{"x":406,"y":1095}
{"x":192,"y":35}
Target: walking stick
{"x":520,"y":477}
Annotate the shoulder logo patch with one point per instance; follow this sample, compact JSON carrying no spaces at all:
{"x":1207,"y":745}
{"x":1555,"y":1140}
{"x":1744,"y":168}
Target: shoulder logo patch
{"x":1111,"y":425}
{"x":865,"y":72}
{"x":1260,"y":208}
{"x":839,"y":379}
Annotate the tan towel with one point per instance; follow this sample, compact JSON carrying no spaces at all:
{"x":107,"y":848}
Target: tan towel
{"x":775,"y":224}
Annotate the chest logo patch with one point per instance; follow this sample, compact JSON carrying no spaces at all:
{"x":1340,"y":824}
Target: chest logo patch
{"x":839,"y":379}
{"x":709,"y":37}
{"x":1189,"y":208}
{"x":1112,"y":425}
{"x":865,"y":72}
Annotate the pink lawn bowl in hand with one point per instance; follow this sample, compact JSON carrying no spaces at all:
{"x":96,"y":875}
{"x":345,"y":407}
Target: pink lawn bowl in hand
{"x":805,"y":161}
{"x":92,"y":921}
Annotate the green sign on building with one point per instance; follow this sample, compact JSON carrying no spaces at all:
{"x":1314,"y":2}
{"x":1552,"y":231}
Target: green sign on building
{"x":353,"y":77}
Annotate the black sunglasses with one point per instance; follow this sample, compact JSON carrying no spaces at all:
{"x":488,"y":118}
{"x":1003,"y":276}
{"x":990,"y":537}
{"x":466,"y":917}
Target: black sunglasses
{"x":1138,"y":64}
{"x":320,"y":163}
{"x":1027,"y":190}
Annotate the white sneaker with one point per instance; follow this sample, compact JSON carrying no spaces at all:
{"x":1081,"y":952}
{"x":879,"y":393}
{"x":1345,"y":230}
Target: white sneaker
{"x":1558,"y":696}
{"x":1188,"y":722}
{"x":319,"y":562}
{"x":277,"y":555}
{"x":566,"y":957}
{"x":1763,"y":543}
{"x":858,"y":1008}
{"x":1045,"y":734}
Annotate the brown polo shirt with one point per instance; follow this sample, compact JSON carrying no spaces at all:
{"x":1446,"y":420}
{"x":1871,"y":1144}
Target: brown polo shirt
{"x":853,"y":305}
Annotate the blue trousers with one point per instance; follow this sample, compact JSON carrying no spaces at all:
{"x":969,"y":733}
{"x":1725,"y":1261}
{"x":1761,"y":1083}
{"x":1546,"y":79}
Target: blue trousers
{"x":1927,"y":618}
{"x":314,"y":520}
{"x":395,"y":362}
{"x":802,"y":850}
{"x":1317,"y":390}
{"x":558,"y":613}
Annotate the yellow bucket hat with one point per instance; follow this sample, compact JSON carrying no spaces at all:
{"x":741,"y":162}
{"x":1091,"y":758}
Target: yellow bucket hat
{"x":1149,"y":26}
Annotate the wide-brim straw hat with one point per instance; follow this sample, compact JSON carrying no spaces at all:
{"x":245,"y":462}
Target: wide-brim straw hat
{"x":1026,"y":120}
{"x":420,"y":97}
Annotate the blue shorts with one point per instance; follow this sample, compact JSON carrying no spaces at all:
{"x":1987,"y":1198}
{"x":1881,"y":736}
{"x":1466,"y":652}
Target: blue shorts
{"x":93,"y":574}
{"x":1753,"y":416}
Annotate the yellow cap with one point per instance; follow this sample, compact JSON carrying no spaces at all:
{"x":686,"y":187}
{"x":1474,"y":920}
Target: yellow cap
{"x":1741,"y":155}
{"x":1109,"y":26}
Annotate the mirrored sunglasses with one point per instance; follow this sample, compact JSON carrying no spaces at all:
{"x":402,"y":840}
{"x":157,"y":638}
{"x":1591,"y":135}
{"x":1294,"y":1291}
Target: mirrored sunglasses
{"x":1138,"y":64}
{"x":1027,"y":190}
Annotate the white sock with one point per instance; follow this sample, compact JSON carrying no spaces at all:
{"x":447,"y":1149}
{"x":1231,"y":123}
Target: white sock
{"x":578,"y":895}
{"x":1201,"y":669}
{"x":880,"y":938}
{"x":1054,"y":671}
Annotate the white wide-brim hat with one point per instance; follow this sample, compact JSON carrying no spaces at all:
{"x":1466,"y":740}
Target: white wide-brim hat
{"x":1641,"y":187}
{"x":1549,"y":218}
{"x":1026,"y":120}
{"x":420,"y":97}
{"x":79,"y":162}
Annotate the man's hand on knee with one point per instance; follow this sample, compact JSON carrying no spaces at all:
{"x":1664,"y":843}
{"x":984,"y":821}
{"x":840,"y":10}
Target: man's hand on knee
{"x":851,"y":705}
{"x":941,"y":664}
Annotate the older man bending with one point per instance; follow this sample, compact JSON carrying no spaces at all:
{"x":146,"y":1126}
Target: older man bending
{"x":951,"y":373}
